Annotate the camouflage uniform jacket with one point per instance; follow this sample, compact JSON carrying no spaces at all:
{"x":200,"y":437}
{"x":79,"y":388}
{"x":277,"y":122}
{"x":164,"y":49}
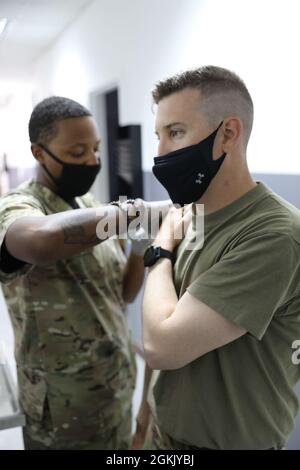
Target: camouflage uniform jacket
{"x":71,"y":340}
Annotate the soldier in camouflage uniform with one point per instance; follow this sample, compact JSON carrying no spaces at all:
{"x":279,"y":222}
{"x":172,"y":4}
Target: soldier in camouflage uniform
{"x":66,"y":292}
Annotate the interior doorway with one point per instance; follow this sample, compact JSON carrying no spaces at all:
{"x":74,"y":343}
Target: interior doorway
{"x":124,"y":152}
{"x":121,"y":153}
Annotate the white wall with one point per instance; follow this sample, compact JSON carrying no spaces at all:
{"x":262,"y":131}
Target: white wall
{"x":137,"y":42}
{"x":15,"y":110}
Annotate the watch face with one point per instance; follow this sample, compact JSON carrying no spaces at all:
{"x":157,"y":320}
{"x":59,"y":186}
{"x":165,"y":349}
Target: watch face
{"x":150,"y":256}
{"x":154,"y":253}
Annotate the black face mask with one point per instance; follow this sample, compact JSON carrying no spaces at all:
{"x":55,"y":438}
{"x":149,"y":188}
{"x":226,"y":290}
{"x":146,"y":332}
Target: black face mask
{"x":75,"y":180}
{"x":186,"y":173}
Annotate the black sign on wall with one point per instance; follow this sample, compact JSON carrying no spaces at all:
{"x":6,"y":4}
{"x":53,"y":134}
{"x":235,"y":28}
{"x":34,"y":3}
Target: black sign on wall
{"x":124,"y":153}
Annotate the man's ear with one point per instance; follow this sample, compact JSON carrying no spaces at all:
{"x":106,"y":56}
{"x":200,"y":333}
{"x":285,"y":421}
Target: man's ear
{"x":37,"y":152}
{"x":232,"y":130}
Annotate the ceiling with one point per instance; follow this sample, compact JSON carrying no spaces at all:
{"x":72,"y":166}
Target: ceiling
{"x":33,"y":25}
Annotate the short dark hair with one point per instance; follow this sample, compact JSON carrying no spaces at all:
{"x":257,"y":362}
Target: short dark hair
{"x":45,"y":115}
{"x":223,"y":92}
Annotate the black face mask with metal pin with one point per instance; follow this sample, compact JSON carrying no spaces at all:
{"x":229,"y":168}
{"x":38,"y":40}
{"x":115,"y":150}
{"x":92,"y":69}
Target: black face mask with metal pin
{"x":186,"y":173}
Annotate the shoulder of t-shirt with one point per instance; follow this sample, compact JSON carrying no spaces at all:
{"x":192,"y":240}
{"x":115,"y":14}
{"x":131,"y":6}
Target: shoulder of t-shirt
{"x":270,"y":219}
{"x":280,"y":217}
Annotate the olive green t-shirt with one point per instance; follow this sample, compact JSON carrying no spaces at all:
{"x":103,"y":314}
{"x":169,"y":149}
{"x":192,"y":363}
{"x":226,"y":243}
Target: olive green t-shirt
{"x":240,"y":396}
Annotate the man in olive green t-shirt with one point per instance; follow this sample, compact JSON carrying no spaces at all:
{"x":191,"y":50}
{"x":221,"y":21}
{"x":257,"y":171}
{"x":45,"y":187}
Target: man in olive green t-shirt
{"x":227,"y":312}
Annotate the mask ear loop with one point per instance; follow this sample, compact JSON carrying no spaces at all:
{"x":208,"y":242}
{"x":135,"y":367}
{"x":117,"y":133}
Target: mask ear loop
{"x":51,"y":154}
{"x":55,"y":181}
{"x":219,"y":125}
{"x":224,"y":153}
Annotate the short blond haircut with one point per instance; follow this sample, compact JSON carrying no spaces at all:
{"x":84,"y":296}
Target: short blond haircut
{"x":223,"y":94}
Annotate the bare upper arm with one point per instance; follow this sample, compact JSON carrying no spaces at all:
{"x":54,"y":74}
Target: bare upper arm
{"x":191,"y":331}
{"x":24,"y":239}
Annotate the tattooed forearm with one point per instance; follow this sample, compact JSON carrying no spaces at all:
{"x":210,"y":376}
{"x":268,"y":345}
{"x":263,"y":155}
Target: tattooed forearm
{"x":49,"y":238}
{"x":77,"y":236}
{"x":76,"y":231}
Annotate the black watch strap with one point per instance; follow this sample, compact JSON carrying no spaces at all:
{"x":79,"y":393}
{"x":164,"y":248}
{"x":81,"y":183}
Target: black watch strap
{"x":154,"y":253}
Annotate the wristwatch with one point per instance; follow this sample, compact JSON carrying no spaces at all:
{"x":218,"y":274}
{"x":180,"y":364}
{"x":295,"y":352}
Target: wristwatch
{"x":154,"y":253}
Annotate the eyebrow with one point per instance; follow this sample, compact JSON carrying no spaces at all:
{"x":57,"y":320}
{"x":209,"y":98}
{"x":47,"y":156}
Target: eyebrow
{"x":176,"y":123}
{"x":84,"y":143}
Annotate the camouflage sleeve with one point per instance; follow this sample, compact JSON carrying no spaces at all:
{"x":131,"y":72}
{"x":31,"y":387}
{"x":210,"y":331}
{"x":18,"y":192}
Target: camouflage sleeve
{"x":12,"y":207}
{"x":88,"y":200}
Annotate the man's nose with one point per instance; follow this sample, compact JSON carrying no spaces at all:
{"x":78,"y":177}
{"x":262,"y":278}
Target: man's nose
{"x":163,"y":148}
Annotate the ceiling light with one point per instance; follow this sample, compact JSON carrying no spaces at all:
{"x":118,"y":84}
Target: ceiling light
{"x":3,"y":24}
